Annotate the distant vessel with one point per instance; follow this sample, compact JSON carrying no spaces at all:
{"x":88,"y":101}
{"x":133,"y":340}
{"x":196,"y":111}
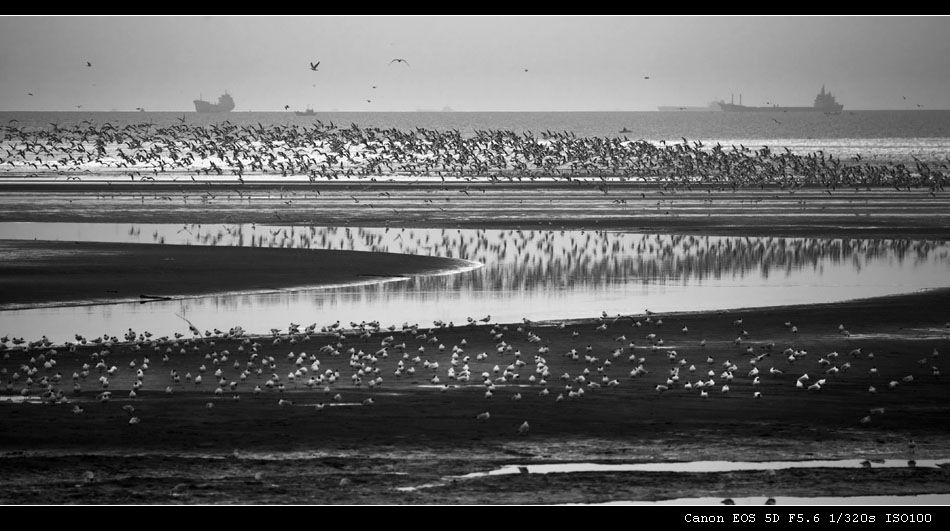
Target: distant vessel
{"x":308,"y":112}
{"x":225,"y":104}
{"x":714,"y":106}
{"x":824,"y":102}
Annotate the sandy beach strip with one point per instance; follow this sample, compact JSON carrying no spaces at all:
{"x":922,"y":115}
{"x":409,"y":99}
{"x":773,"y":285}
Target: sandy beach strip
{"x":44,"y":273}
{"x":878,"y":213}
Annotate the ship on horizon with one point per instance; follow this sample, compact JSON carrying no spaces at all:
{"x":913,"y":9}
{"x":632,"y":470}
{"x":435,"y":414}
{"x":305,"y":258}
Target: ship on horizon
{"x":824,"y":102}
{"x":308,"y":112}
{"x":225,"y":104}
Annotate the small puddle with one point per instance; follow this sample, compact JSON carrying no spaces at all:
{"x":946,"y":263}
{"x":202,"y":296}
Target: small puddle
{"x":686,"y":467}
{"x":915,"y":499}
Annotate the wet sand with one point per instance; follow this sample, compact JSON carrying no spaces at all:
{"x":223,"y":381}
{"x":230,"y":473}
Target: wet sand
{"x":44,"y":273}
{"x":708,"y":210}
{"x":414,"y":434}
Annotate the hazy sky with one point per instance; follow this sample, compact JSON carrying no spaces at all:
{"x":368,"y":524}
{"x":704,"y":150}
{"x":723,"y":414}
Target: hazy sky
{"x":470,"y":63}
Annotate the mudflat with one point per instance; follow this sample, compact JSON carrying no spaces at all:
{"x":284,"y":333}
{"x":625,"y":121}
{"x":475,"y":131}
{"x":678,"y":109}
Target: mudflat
{"x":361,"y":427}
{"x":349,"y":441}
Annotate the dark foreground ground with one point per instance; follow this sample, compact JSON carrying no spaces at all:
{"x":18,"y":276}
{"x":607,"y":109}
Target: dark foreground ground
{"x":195,"y":446}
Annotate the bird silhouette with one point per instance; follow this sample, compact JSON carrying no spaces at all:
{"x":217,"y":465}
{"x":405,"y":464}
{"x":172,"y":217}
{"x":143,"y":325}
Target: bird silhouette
{"x":398,"y":60}
{"x":646,"y":77}
{"x":286,"y":107}
{"x":88,"y":63}
{"x":313,"y":66}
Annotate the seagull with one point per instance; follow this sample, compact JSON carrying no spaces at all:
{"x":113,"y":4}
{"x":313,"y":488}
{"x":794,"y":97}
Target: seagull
{"x":313,"y":66}
{"x":397,"y":60}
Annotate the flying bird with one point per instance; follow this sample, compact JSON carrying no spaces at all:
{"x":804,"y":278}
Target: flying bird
{"x":286,"y":107}
{"x":646,"y":77}
{"x":88,"y":63}
{"x":313,"y":66}
{"x":397,"y":60}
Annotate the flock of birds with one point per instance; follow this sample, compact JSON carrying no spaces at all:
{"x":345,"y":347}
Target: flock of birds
{"x":325,"y":151}
{"x":631,"y":353}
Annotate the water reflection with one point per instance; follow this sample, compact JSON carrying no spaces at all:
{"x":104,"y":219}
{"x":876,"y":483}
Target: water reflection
{"x":527,"y":274}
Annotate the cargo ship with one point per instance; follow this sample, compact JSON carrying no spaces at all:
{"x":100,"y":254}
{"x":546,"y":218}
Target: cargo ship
{"x":308,"y":112}
{"x":824,"y":102}
{"x":225,"y":104}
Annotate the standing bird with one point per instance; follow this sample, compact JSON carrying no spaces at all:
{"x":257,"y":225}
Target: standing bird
{"x":313,"y":66}
{"x":397,"y":60}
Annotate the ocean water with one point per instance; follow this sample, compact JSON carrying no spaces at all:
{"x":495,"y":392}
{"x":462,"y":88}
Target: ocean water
{"x":538,"y":275}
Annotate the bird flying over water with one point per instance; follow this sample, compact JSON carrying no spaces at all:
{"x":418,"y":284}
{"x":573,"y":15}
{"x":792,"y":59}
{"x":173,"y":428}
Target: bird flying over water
{"x":398,"y":60}
{"x":313,"y":66}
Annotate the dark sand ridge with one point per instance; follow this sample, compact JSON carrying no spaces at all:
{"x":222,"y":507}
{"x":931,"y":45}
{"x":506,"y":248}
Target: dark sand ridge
{"x":877,"y":213}
{"x":412,"y":435}
{"x":36,"y":273}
